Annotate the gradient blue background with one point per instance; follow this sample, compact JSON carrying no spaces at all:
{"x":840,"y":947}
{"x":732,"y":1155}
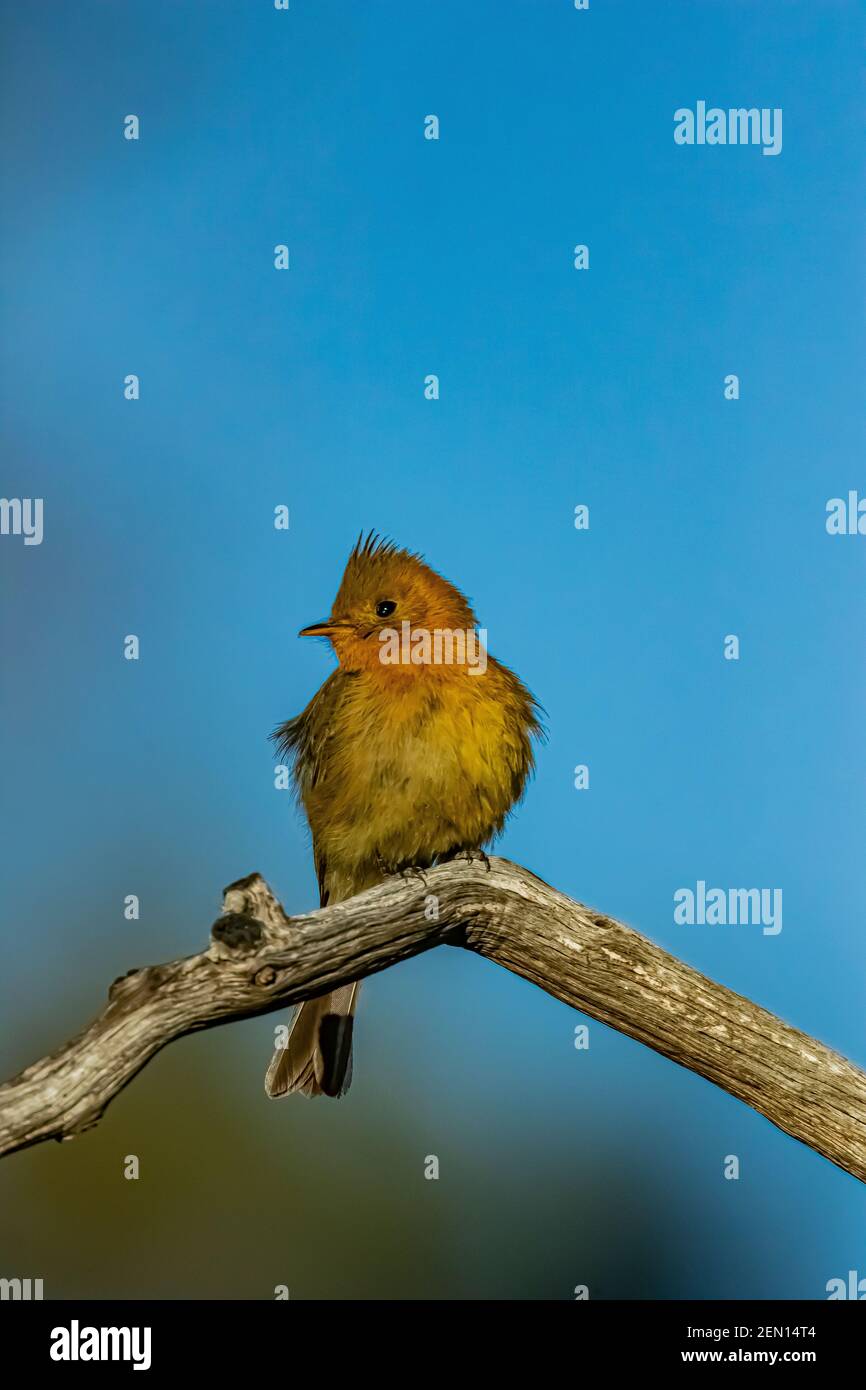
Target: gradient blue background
{"x":258,"y":388}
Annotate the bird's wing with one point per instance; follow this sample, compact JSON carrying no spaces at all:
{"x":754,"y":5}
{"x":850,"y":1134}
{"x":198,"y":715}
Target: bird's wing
{"x":305,"y":742}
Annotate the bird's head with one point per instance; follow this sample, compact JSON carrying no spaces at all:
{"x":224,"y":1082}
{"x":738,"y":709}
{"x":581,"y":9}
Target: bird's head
{"x":384,"y":587}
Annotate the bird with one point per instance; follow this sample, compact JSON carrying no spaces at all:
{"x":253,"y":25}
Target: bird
{"x":399,"y":762}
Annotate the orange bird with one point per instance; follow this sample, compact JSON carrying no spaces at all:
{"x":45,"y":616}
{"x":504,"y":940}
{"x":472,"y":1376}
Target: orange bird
{"x":413,"y":751}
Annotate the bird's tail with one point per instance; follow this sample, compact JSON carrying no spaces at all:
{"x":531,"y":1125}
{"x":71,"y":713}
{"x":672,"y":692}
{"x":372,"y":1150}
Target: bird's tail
{"x":317,"y":1057}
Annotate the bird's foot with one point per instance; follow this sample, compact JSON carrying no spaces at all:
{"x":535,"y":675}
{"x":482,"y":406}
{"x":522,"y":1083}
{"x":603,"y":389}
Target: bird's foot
{"x":473,"y":856}
{"x":403,"y":871}
{"x":413,"y":871}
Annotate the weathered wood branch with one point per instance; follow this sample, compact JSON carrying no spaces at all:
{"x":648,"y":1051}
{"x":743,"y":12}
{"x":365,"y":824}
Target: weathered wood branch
{"x":260,"y":959}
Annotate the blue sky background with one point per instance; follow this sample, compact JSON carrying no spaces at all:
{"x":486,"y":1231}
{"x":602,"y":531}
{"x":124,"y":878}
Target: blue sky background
{"x":411,"y":257}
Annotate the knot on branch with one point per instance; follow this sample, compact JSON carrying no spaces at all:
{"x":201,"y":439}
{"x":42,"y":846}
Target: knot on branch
{"x":251,"y":919}
{"x":136,"y":982}
{"x":238,"y":932}
{"x":123,"y":983}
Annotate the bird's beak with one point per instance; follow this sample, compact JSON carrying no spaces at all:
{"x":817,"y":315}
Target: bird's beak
{"x":322,"y":629}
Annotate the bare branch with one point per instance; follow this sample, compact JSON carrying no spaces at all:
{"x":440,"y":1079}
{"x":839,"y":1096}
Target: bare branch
{"x":261,"y":960}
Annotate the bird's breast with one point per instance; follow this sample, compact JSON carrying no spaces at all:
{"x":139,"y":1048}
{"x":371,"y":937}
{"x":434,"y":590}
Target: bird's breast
{"x":415,"y":771}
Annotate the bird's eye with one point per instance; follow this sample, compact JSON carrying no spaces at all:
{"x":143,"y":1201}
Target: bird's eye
{"x":385,"y":608}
